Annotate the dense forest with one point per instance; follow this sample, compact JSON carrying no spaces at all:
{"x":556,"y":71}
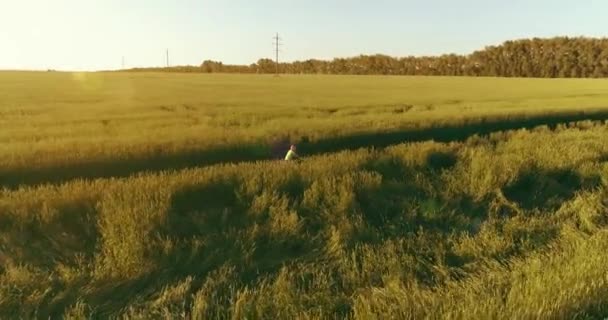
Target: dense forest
{"x":560,"y":57}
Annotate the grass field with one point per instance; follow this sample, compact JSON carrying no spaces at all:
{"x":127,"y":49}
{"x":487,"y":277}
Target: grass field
{"x":59,"y":126}
{"x":407,"y":205}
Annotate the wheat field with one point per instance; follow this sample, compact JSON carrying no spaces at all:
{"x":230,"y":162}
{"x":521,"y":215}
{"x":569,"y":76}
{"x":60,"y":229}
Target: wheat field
{"x":58,"y":126}
{"x":159,"y":196}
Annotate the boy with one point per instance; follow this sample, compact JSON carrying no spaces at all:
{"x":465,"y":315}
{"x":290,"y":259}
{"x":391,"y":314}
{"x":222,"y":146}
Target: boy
{"x":291,"y":154}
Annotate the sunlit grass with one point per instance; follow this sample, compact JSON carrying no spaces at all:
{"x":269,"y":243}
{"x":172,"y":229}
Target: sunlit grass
{"x":56,"y":120}
{"x":509,"y":225}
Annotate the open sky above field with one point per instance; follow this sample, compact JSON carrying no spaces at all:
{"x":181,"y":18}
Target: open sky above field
{"x":93,"y":35}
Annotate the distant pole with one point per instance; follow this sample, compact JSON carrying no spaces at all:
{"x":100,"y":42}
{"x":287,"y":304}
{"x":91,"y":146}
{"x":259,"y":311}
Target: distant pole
{"x":167,"y":58}
{"x":277,"y":43}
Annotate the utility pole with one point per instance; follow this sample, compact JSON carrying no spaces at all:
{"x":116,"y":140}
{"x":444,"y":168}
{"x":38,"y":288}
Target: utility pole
{"x":167,"y":58}
{"x":277,"y":43}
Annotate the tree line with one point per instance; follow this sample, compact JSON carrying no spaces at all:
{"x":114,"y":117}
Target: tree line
{"x":560,"y":57}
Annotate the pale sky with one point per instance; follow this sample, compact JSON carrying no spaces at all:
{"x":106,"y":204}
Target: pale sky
{"x":96,"y":34}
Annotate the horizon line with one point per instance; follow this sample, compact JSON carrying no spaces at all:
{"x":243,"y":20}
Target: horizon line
{"x":309,"y":59}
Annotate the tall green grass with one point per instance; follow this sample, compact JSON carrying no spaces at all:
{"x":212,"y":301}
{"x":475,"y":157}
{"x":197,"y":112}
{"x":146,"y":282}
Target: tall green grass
{"x":512,"y":225}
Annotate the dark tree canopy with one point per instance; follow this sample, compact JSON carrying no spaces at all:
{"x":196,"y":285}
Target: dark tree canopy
{"x":561,"y":57}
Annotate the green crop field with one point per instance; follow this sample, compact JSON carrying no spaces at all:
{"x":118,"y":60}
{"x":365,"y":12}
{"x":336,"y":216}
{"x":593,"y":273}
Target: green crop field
{"x":149,"y":195}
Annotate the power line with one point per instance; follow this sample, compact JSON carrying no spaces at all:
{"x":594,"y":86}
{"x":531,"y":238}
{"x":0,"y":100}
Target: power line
{"x":276,"y":44}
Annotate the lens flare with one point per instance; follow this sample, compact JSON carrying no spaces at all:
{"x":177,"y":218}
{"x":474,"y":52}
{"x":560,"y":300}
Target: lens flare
{"x":88,"y":81}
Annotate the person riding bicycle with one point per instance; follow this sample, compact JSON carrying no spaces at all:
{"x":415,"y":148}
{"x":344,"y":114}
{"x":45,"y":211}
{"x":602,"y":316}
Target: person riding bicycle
{"x":291,"y":154}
